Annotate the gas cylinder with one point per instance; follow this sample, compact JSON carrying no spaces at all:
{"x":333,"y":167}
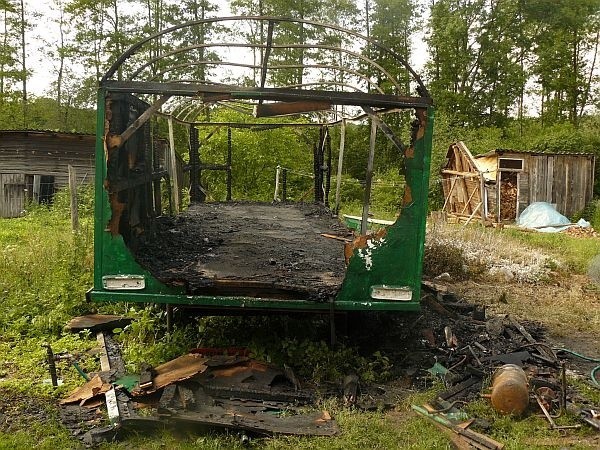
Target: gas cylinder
{"x":510,"y":391}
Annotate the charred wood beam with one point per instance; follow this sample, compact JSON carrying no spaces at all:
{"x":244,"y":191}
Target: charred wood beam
{"x":121,"y":184}
{"x":328,"y":170}
{"x":116,"y":141}
{"x":204,"y":166}
{"x":284,"y":108}
{"x":275,"y":94}
{"x":385,"y":128}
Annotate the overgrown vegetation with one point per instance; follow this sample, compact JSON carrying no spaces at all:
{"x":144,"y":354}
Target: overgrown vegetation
{"x":46,"y":270}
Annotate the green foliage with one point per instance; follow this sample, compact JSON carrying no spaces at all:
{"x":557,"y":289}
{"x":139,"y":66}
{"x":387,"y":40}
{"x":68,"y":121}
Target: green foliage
{"x":255,"y":157}
{"x":575,"y":252}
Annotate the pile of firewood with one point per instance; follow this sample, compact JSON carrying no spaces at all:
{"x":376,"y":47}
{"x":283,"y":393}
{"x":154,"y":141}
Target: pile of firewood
{"x":508,"y":199}
{"x":583,"y":232}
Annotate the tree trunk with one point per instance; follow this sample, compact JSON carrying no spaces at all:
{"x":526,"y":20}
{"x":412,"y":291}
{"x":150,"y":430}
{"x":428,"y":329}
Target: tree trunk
{"x":23,"y":65}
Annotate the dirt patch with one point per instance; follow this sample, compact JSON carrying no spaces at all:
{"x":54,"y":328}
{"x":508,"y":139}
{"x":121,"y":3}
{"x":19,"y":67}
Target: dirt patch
{"x":18,"y":410}
{"x":565,"y":305}
{"x":249,"y":249}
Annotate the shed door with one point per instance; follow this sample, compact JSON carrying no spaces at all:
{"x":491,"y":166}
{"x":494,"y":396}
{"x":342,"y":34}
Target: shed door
{"x":12,"y":194}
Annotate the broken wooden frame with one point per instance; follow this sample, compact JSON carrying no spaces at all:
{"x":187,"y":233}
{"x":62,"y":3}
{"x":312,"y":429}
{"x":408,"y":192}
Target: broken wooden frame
{"x":383,"y":271}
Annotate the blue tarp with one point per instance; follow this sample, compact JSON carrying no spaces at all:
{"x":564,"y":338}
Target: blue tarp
{"x":543,"y":217}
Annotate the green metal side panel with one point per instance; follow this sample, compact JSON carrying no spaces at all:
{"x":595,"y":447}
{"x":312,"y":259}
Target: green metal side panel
{"x":111,"y":255}
{"x":394,"y":260}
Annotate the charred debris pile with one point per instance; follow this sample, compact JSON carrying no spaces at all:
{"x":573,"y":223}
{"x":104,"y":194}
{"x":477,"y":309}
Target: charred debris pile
{"x":450,"y":344}
{"x":278,"y":250}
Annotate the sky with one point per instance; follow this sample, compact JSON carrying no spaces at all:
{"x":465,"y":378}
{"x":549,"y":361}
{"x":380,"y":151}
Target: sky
{"x":45,"y":33}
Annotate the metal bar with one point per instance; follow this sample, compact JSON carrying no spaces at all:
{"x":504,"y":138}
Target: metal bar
{"x":312,"y":46}
{"x":196,"y":194}
{"x":385,"y":128}
{"x":203,"y":166}
{"x":156,"y":183}
{"x":340,"y":164}
{"x":229,"y":174}
{"x":135,"y":47}
{"x":328,"y":179}
{"x":173,"y":167}
{"x":369,"y":178}
{"x":221,"y":304}
{"x":118,"y":141}
{"x":263,"y":73}
{"x":276,"y":94}
{"x":316,"y":172}
{"x":51,"y":365}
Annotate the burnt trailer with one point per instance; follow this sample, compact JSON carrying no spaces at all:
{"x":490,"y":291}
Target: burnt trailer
{"x":235,"y":256}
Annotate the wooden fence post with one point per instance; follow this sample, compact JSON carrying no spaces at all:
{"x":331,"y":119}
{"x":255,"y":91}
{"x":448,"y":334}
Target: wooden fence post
{"x":73,"y":195}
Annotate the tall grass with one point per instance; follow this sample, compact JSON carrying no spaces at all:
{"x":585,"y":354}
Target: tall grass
{"x":45,"y":268}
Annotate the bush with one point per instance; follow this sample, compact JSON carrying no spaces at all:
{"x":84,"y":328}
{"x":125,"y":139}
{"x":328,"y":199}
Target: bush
{"x":440,"y":258}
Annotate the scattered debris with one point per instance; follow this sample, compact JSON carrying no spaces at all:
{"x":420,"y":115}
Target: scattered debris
{"x":467,"y":437}
{"x":179,"y":369}
{"x":457,"y":344}
{"x":90,"y":390}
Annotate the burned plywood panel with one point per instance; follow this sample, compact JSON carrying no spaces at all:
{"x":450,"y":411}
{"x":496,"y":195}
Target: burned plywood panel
{"x":250,"y":249}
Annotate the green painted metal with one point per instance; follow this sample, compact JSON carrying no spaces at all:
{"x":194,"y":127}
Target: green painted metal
{"x":248,"y":304}
{"x":394,"y":260}
{"x":111,"y":255}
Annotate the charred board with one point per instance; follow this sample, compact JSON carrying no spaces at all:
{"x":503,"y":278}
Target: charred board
{"x":248,"y":249}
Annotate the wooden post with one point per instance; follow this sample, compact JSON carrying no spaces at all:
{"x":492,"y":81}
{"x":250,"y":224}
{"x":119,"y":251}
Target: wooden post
{"x":172,"y":166}
{"x":73,"y":194}
{"x":276,"y":194}
{"x":229,"y":173}
{"x":340,"y":164}
{"x":369,"y":179}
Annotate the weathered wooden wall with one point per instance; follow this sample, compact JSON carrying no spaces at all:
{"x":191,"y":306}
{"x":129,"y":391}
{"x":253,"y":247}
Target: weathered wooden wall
{"x":24,"y":154}
{"x":561,"y":179}
{"x":12,"y":194}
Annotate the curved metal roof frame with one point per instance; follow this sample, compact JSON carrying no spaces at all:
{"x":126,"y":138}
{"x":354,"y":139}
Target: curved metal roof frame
{"x":373,"y":69}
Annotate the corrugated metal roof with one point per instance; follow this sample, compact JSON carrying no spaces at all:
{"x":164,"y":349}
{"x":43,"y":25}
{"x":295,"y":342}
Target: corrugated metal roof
{"x":500,"y":151}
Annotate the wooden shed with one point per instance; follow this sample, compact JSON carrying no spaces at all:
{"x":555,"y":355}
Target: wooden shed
{"x":34,"y":164}
{"x":472,"y":185}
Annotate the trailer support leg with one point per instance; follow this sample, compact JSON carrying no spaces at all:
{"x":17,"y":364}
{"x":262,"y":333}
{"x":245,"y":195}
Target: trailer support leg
{"x":169,"y":318}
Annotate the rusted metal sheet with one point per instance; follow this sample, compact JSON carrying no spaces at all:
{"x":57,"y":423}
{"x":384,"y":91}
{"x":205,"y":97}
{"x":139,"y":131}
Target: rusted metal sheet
{"x":98,"y":322}
{"x":88,"y":391}
{"x":179,"y":369}
{"x":313,"y":424}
